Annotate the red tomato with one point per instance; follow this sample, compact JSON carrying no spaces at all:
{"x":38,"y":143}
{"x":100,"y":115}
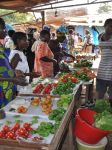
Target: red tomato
{"x":26,"y":125}
{"x":64,"y":80}
{"x":2,"y":135}
{"x":21,"y":132}
{"x":10,"y":135}
{"x":55,"y":84}
{"x":74,"y":80}
{"x":16,"y":127}
{"x":14,"y":138}
{"x":26,"y":135}
{"x":29,"y":129}
{"x":6,"y":128}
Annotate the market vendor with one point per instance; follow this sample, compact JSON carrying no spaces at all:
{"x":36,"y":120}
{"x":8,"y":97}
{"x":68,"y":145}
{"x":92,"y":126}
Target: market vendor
{"x":44,"y":58}
{"x":104,"y":75}
{"x":58,"y":50}
{"x":7,"y":75}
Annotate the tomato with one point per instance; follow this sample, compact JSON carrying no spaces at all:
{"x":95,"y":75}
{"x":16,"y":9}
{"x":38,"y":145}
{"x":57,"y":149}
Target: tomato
{"x":14,"y":138}
{"x":26,"y":125}
{"x":16,"y":127}
{"x":10,"y":135}
{"x":64,"y":80}
{"x":6,"y":128}
{"x":74,"y":80}
{"x":55,"y":84}
{"x":29,"y":129}
{"x":2,"y":134}
{"x":26,"y":135}
{"x":22,"y":132}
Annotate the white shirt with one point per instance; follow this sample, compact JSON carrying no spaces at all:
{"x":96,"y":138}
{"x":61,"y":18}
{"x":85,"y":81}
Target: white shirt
{"x":22,"y":65}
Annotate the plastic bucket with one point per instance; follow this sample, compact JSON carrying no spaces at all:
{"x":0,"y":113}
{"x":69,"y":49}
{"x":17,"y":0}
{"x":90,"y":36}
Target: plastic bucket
{"x":84,"y":129}
{"x":84,"y":146}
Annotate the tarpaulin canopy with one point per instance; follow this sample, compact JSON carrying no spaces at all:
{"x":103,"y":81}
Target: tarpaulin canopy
{"x":21,"y":5}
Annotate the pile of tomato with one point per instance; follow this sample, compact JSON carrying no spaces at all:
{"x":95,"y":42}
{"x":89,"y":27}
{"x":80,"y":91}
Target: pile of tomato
{"x":68,"y":77}
{"x":38,"y":89}
{"x":16,"y":131}
{"x":44,"y":89}
{"x":49,"y":87}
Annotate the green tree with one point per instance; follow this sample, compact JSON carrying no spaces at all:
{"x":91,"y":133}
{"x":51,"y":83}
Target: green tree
{"x":104,"y":8}
{"x":16,"y":17}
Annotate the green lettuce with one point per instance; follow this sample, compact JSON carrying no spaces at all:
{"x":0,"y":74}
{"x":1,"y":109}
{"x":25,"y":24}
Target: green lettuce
{"x":103,"y":120}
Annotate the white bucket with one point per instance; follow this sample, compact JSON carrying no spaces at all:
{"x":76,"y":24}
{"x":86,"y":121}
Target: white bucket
{"x":84,"y":146}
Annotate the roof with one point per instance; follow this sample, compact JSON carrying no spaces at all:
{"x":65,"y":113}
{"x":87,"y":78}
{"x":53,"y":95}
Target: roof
{"x":21,"y":5}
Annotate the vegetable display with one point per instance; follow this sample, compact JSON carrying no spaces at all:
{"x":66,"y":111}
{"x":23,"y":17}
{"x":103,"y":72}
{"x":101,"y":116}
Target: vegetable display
{"x":66,"y":84}
{"x":83,"y":63}
{"x":15,"y":131}
{"x":44,"y":88}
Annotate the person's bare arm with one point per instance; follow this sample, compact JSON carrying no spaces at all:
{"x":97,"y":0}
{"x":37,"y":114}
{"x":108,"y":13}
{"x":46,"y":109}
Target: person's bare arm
{"x":15,"y":60}
{"x":46,"y":59}
{"x":17,"y":81}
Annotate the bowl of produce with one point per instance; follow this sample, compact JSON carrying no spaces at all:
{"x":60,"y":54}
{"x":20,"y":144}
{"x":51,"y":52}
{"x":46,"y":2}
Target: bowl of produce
{"x":84,"y":146}
{"x":85,"y":128}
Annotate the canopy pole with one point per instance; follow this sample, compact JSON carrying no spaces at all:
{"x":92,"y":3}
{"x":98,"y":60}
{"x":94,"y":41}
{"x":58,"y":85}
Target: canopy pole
{"x":43,"y":18}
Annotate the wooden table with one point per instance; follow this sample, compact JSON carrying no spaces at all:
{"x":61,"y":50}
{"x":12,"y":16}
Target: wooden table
{"x":63,"y":138}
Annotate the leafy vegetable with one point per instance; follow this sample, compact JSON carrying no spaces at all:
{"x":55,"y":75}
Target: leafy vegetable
{"x":34,"y":120}
{"x":35,"y":117}
{"x":102,"y":105}
{"x":104,"y":120}
{"x":18,"y":121}
{"x":57,"y":114}
{"x":8,"y":122}
{"x":83,"y":63}
{"x":17,"y":116}
{"x":64,"y":101}
{"x":55,"y":127}
{"x":44,"y":129}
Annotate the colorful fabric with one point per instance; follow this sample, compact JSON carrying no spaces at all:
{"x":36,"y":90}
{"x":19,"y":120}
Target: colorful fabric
{"x":7,"y":89}
{"x":42,"y":67}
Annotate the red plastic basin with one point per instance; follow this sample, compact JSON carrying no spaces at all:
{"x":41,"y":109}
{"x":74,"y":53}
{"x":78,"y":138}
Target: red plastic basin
{"x":84,"y":128}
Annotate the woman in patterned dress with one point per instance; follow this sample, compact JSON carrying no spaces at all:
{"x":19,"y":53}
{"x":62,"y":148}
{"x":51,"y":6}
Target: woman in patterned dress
{"x":7,"y":75}
{"x":44,"y":57}
{"x":104,"y":75}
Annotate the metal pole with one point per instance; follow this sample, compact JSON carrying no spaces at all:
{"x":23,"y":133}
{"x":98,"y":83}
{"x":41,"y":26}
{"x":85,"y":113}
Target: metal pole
{"x":51,"y":3}
{"x":72,"y":5}
{"x":43,"y":18}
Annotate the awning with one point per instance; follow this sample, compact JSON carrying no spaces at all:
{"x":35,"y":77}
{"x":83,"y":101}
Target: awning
{"x":21,"y":5}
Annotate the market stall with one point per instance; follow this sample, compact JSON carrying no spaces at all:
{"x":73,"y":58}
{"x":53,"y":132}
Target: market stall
{"x":46,"y":113}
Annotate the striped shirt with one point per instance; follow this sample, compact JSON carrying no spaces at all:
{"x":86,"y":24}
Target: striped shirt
{"x":105,"y":66}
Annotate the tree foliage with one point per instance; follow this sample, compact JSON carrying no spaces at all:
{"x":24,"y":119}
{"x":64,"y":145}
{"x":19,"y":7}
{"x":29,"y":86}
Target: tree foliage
{"x":16,"y":17}
{"x":104,"y":8}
